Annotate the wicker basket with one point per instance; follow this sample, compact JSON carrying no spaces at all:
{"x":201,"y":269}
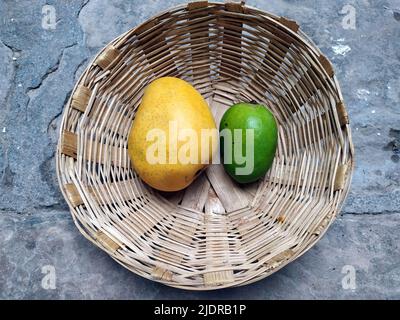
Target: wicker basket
{"x":214,"y":234}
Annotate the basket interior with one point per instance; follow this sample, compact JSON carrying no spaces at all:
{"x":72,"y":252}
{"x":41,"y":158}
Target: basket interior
{"x":215,"y":233}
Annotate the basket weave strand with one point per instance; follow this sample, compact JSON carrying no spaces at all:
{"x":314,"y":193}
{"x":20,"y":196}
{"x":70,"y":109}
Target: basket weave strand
{"x":215,"y":233}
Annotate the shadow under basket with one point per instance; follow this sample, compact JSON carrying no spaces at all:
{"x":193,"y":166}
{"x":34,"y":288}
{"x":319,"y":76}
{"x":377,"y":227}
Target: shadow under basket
{"x":215,"y":233}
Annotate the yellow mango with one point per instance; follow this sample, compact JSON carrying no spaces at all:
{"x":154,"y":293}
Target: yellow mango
{"x":173,"y":135}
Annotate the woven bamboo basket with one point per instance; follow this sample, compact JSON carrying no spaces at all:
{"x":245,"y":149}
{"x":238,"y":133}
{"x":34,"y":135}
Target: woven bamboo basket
{"x":215,"y":233}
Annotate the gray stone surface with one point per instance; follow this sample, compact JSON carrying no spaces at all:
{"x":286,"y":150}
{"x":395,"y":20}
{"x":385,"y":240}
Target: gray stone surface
{"x":38,"y":68}
{"x":30,"y":242}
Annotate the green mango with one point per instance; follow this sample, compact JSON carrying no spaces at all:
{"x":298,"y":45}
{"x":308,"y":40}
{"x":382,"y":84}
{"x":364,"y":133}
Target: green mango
{"x":255,"y":148}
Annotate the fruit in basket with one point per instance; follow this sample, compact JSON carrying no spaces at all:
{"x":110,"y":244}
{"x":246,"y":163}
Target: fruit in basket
{"x":248,"y":140}
{"x":166,"y":144}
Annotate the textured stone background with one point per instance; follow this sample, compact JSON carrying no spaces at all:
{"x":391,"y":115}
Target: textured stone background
{"x":38,"y":68}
